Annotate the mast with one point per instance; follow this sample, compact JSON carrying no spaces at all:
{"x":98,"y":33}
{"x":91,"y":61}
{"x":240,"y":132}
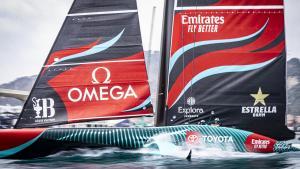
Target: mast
{"x":164,"y":52}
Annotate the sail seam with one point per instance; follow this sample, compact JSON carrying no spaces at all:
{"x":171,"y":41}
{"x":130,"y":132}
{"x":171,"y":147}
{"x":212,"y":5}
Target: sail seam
{"x":87,"y":63}
{"x":229,"y":7}
{"x":106,"y":117}
{"x":103,"y":13}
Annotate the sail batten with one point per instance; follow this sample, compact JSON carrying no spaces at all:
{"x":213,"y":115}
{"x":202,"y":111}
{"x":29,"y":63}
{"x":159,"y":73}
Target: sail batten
{"x":229,"y":7}
{"x":87,"y":63}
{"x":103,"y":13}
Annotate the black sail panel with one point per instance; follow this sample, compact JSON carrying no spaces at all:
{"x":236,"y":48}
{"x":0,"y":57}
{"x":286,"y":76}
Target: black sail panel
{"x":226,"y":66}
{"x":95,"y":70}
{"x":88,"y":6}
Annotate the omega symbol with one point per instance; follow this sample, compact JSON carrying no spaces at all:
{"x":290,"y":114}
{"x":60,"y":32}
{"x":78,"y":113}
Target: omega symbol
{"x":94,"y":77}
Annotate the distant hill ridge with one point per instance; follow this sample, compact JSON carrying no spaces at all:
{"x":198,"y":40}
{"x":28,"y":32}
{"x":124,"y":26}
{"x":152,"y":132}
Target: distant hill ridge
{"x":293,"y":86}
{"x":23,"y":83}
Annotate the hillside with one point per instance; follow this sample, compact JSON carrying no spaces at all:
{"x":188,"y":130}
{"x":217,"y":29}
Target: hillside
{"x":22,"y":83}
{"x":293,"y":86}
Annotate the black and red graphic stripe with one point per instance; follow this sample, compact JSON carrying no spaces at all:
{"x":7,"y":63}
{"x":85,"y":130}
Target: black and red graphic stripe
{"x":219,"y":68}
{"x":95,"y":70}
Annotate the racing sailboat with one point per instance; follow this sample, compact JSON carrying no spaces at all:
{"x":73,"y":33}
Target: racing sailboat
{"x":223,"y":64}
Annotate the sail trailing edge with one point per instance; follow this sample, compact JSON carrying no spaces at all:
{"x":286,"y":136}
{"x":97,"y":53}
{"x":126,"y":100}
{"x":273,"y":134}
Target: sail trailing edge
{"x":95,"y":70}
{"x":227,"y":65}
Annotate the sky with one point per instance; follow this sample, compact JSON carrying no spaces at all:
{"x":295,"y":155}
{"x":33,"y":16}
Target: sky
{"x":28,"y":29}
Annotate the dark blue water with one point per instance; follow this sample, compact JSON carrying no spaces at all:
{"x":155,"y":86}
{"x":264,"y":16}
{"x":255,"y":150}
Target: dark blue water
{"x":116,"y":158}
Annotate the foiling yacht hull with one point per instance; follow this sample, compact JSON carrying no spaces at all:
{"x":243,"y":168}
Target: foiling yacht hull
{"x":32,"y":143}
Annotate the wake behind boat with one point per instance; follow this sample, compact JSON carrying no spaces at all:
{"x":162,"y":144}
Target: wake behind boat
{"x":223,"y":63}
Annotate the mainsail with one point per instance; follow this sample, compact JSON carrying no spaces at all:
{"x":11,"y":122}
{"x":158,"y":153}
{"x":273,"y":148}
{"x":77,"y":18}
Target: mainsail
{"x":95,"y":70}
{"x":226,"y":64}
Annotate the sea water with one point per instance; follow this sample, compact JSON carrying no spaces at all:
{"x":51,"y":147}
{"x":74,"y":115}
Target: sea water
{"x":114,"y":158}
{"x":158,"y":153}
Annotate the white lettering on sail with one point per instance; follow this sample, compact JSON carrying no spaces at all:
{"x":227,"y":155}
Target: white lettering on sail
{"x":78,"y":92}
{"x":190,"y":112}
{"x":101,"y":93}
{"x":201,"y":23}
{"x":199,"y":19}
{"x":119,"y":93}
{"x":47,"y":107}
{"x":260,"y":108}
{"x":91,"y":95}
{"x":130,"y":92}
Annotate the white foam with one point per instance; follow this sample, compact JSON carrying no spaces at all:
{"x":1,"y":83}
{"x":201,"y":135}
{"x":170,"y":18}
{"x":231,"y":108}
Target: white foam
{"x":85,"y":152}
{"x":296,"y":145}
{"x":167,"y":148}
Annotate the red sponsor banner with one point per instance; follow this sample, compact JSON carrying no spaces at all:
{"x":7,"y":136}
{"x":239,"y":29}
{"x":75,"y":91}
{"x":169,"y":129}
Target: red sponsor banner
{"x":103,"y":90}
{"x":259,"y":144}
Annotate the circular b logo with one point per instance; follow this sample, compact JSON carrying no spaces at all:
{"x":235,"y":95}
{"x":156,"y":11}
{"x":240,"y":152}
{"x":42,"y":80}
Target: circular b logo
{"x":191,"y":101}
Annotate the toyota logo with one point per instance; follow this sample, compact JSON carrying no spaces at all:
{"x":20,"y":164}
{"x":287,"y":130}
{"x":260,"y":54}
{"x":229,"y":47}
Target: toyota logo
{"x":193,"y":138}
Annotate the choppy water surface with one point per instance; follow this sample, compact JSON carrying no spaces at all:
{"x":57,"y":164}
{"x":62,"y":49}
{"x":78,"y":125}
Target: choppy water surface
{"x":145,"y":158}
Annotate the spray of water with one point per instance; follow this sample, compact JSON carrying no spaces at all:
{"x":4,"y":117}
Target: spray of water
{"x":85,"y":152}
{"x":163,"y":145}
{"x":166,"y":147}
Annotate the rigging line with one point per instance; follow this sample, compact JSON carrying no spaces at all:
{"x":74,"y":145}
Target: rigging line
{"x":194,"y":38}
{"x":149,"y":55}
{"x":183,"y":58}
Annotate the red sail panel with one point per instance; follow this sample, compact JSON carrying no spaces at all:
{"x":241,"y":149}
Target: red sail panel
{"x":121,"y":87}
{"x":95,"y":70}
{"x":227,"y":65}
